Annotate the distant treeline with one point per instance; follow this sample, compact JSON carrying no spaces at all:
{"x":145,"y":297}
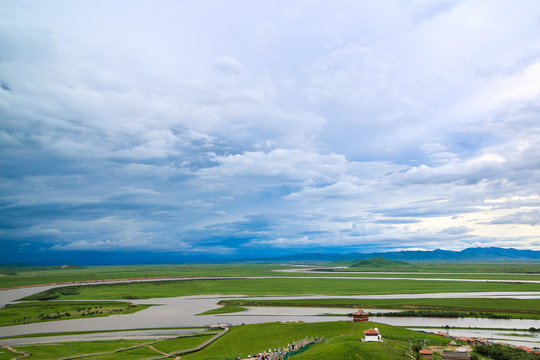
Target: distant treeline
{"x":442,"y":314}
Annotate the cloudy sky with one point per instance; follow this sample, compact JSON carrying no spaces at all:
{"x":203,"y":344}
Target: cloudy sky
{"x":233,"y":128}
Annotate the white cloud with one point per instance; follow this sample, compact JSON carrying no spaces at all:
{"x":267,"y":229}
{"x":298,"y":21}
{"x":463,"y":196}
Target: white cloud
{"x":364,"y":125}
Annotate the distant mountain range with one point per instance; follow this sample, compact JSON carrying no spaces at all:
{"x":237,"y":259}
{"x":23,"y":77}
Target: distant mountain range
{"x":480,"y":254}
{"x":55,"y":259}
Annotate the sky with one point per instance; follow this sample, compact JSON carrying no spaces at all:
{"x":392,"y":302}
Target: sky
{"x":200,"y":129}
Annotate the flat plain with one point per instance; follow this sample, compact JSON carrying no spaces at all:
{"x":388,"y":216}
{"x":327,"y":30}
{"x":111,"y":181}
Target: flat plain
{"x":261,"y":279}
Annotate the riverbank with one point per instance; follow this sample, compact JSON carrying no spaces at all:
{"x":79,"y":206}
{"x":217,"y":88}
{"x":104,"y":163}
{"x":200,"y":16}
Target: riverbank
{"x":452,"y":307}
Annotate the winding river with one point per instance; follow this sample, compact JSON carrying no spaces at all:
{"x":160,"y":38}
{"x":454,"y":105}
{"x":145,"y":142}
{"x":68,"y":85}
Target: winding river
{"x":181,"y":312}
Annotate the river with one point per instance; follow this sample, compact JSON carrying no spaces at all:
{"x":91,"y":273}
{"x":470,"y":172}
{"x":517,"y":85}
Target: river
{"x":181,"y":312}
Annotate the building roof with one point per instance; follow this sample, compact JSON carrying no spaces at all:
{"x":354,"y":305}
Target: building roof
{"x":426,"y":352}
{"x":371,"y":332}
{"x":360,"y":312}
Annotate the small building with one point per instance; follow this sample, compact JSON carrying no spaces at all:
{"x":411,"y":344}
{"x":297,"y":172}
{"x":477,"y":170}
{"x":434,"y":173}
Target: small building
{"x":360,"y":315}
{"x":477,"y":342}
{"x":458,"y":354}
{"x":426,"y":354}
{"x":218,"y":326}
{"x":372,"y":335}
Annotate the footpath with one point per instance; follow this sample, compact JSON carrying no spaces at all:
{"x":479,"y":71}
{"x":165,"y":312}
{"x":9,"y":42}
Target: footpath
{"x":163,"y":355}
{"x":23,"y":354}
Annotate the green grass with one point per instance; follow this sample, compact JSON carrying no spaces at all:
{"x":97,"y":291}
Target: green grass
{"x":342,"y":342}
{"x":350,"y":348}
{"x":85,"y":332}
{"x":380,"y":262}
{"x":458,"y":267}
{"x":25,"y":275}
{"x":182,"y":343}
{"x":58,"y":351}
{"x":406,"y":274}
{"x":251,"y":339}
{"x":517,"y":308}
{"x":6,"y":355}
{"x":227,"y":309}
{"x":516,"y":334}
{"x":134,"y":354}
{"x":32,"y":312}
{"x":283,"y":287}
{"x":68,"y":349}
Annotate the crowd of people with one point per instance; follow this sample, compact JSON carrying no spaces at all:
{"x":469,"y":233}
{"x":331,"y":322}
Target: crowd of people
{"x":281,"y":353}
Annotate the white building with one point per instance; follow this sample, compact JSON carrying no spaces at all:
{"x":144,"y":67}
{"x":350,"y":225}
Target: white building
{"x":372,"y":335}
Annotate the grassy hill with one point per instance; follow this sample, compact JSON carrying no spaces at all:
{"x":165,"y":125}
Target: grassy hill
{"x":343,"y":341}
{"x":349,"y":347}
{"x":380,"y":262}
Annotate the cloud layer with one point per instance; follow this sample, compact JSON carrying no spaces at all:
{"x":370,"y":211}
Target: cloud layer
{"x":241,"y":128}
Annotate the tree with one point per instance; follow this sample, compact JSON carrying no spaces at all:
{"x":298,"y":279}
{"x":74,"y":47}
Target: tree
{"x":416,"y":350}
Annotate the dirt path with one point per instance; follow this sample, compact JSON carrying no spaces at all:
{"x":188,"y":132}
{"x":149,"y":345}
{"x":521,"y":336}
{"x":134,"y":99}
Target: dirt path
{"x":23,"y":354}
{"x":158,"y":351}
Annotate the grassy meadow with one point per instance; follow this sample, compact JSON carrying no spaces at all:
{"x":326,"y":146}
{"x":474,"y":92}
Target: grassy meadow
{"x":5,"y":354}
{"x":114,"y":349}
{"x":32,"y":312}
{"x":443,"y":267}
{"x":404,"y":275}
{"x":342,"y":336}
{"x":271,"y":286}
{"x":15,"y":276}
{"x":70,"y":349}
{"x":35,"y":275}
{"x":250,"y":339}
{"x":226,"y":309}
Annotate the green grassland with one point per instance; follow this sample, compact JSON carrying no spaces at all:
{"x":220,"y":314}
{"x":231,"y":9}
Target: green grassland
{"x":62,"y":350}
{"x":348,"y":347}
{"x":380,"y":262}
{"x":227,"y":309}
{"x":130,"y":349}
{"x":481,"y":276}
{"x":138,"y":353}
{"x":143,"y":290}
{"x":449,"y":267}
{"x":24,"y":276}
{"x":13,"y":276}
{"x":182,"y":343}
{"x":516,"y":308}
{"x":32,"y":312}
{"x":251,"y":339}
{"x":5,"y":354}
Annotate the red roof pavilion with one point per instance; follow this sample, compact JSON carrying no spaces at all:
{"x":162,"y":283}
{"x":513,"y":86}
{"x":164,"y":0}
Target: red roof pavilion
{"x":371,"y":332}
{"x":360,"y":315}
